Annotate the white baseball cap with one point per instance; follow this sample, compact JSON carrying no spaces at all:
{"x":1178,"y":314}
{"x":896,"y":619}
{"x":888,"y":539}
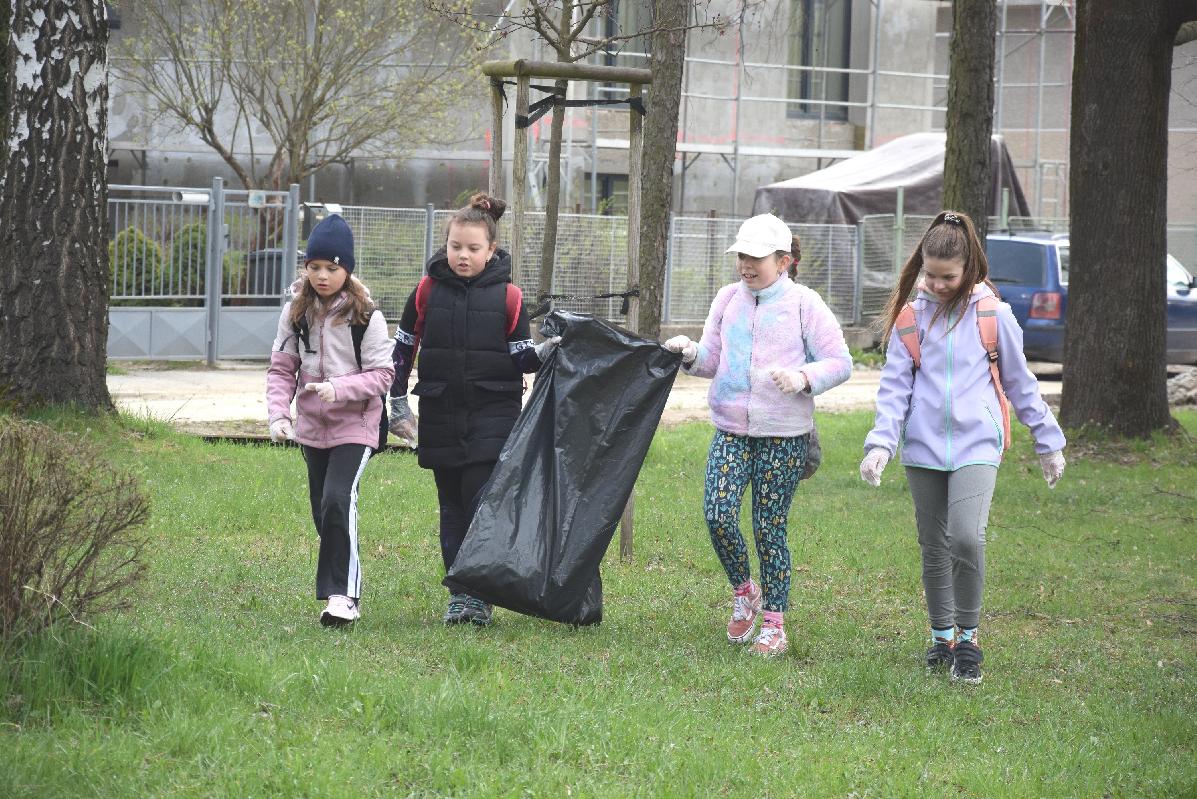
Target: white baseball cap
{"x":762,"y":235}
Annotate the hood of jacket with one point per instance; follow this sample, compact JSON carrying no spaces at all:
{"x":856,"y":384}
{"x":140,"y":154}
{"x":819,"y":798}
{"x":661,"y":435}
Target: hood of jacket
{"x":498,"y":269}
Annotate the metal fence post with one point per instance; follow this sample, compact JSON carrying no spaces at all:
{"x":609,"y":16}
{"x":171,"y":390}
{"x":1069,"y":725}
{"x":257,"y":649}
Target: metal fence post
{"x":290,"y":240}
{"x":429,"y":217}
{"x":214,"y":268}
{"x":858,"y":283}
{"x":899,"y":228}
{"x":666,"y":316}
{"x":1005,"y":223}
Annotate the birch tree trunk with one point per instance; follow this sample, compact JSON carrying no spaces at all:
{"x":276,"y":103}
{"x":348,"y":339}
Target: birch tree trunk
{"x":53,"y":204}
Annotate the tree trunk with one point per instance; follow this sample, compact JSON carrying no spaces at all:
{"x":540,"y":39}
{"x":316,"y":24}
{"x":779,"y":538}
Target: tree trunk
{"x":969,"y":123}
{"x":53,"y":206}
{"x":659,"y":152}
{"x":552,"y":201}
{"x":1114,"y":342}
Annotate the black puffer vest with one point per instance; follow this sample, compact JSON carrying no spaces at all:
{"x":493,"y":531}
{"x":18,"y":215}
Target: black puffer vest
{"x":469,"y":388}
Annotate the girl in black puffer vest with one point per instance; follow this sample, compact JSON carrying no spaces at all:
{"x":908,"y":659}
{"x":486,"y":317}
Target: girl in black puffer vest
{"x":469,"y":320}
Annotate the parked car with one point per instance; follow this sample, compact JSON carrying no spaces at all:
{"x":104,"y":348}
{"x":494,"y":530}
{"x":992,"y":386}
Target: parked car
{"x":1031,"y":271}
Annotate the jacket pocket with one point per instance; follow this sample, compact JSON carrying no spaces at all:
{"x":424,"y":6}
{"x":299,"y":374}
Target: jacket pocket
{"x":501,"y":386}
{"x":427,"y":389}
{"x":996,"y":428}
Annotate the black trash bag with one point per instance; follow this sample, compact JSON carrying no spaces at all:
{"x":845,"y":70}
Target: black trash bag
{"x":548,"y":512}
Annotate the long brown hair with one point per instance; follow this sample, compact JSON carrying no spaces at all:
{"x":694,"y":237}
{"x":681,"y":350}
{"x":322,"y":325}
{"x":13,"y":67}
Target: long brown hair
{"x":482,"y":210}
{"x":951,"y":235}
{"x":355,"y":311}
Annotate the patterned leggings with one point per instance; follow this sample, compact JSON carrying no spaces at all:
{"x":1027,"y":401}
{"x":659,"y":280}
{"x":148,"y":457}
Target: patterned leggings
{"x":772,"y":465}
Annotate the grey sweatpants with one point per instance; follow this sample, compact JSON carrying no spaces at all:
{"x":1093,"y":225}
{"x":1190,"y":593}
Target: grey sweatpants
{"x":952,"y":510}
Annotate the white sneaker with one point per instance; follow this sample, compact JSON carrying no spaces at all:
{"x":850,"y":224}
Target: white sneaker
{"x":341,"y":610}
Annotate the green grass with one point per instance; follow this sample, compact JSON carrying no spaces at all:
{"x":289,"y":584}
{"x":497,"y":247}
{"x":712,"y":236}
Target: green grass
{"x":870,"y":359}
{"x":219,"y":681}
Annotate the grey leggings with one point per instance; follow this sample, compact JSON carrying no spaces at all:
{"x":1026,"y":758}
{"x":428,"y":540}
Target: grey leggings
{"x":952,"y":510}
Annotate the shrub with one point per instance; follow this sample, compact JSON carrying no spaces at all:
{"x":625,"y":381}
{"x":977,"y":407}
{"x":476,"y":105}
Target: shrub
{"x":136,"y":263}
{"x":70,"y":539}
{"x":189,"y":256}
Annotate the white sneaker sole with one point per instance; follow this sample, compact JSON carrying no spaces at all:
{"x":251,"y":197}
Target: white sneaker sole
{"x":333,"y":620}
{"x":745,"y":638}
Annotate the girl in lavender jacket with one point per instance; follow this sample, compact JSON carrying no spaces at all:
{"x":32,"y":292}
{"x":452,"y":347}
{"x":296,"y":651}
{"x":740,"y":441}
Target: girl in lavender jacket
{"x":338,"y":404}
{"x":946,"y":419}
{"x":771,"y":345}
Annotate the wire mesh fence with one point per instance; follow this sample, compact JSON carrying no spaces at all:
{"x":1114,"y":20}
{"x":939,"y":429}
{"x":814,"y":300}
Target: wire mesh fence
{"x":160,"y":246}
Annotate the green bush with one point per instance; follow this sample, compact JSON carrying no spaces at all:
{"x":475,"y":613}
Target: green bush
{"x":136,"y":264}
{"x":188,"y":257}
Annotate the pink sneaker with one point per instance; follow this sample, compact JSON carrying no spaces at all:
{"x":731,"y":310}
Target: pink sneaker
{"x":745,"y":608}
{"x":771,"y":641}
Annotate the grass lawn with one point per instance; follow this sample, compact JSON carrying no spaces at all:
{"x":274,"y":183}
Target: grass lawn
{"x":220,"y":682}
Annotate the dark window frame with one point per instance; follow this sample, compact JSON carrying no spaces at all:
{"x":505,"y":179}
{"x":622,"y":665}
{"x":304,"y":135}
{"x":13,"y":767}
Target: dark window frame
{"x":798,"y":109}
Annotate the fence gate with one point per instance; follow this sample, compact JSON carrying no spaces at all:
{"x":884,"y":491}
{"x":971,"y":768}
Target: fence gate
{"x":185,"y":287}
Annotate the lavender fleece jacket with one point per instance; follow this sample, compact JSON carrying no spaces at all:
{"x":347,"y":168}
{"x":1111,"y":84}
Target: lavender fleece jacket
{"x":945,"y":416}
{"x":354,"y":417}
{"x":746,"y":334}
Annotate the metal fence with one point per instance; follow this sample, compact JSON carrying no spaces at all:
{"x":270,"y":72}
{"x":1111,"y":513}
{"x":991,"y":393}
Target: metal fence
{"x":162,"y":249}
{"x":164,"y":252}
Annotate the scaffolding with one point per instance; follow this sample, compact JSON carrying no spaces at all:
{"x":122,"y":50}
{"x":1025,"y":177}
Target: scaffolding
{"x":1044,"y":175}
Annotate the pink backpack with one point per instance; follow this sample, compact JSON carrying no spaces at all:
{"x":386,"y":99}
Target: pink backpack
{"x":908,"y":331}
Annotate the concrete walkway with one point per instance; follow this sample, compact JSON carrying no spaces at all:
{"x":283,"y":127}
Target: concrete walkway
{"x":231,"y":397}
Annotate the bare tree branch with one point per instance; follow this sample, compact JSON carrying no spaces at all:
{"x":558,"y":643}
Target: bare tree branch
{"x":322,"y":84}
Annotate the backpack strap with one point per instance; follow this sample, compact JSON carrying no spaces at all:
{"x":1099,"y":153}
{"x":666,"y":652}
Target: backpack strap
{"x":988,"y":328}
{"x":300,"y":329}
{"x":423,"y":289}
{"x":358,"y":332}
{"x":907,"y":328}
{"x":515,"y":300}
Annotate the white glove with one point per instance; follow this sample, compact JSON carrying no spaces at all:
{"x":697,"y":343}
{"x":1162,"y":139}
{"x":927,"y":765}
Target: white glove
{"x":873,"y":465}
{"x":545,"y":348}
{"x":684,"y":345}
{"x":1052,"y":464}
{"x":281,"y":430}
{"x":789,"y":381}
{"x":402,"y":420}
{"x":325,"y":390}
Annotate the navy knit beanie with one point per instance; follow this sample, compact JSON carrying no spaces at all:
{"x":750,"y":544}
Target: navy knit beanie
{"x":332,"y":240}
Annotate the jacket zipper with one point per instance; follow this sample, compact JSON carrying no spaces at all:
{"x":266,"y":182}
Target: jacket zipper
{"x":756,"y":304}
{"x":948,"y":420}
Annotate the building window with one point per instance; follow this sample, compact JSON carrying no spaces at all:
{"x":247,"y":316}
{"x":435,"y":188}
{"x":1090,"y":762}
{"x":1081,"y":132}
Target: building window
{"x":613,"y":194}
{"x":820,"y":36}
{"x":624,"y":18}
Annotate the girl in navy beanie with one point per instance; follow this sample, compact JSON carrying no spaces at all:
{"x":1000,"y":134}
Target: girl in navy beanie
{"x":337,"y":387}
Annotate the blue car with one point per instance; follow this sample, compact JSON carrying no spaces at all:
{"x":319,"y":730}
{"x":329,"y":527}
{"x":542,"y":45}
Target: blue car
{"x":1031,"y":272}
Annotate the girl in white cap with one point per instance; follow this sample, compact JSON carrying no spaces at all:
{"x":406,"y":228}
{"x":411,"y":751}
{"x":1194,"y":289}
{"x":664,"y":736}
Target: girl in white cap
{"x":770,"y":345}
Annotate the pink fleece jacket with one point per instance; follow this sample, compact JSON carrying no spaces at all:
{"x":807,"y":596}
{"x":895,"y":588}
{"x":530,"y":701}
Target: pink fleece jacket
{"x":353,"y":418}
{"x":748,"y":333}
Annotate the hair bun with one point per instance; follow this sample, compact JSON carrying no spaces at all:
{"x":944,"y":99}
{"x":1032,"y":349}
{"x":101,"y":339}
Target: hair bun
{"x":489,"y":205}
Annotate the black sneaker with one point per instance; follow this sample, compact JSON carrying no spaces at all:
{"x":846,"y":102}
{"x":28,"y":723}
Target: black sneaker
{"x":455,"y":614}
{"x":476,"y":612}
{"x":966,"y":663}
{"x":939,"y":656}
